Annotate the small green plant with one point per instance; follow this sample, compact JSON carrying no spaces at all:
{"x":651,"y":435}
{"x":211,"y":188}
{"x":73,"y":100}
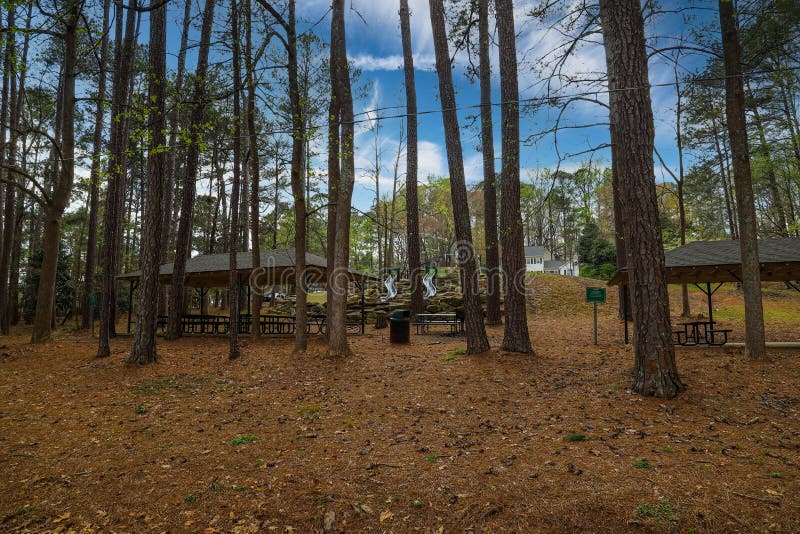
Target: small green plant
{"x":775,"y":474}
{"x":241,"y":440}
{"x":190,"y":498}
{"x":141,"y":409}
{"x":417,"y":504}
{"x":259,"y":462}
{"x":662,"y":513}
{"x":238,"y":489}
{"x":642,"y":464}
{"x":449,"y":358}
{"x":312,"y":412}
{"x":761,"y":461}
{"x":667,"y":448}
{"x":575,"y":437}
{"x":459,"y":351}
{"x":432,"y":458}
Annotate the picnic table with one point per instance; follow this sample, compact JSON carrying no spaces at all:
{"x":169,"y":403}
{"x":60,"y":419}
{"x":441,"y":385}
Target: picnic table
{"x":424,"y":321}
{"x":700,"y":333}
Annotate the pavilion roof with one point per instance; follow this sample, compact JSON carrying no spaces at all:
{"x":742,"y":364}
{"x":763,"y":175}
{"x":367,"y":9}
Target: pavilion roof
{"x":720,"y":261}
{"x":213,"y":270}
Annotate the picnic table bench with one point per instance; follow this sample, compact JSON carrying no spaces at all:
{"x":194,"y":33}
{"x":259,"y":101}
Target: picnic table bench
{"x":700,"y":333}
{"x":424,"y":321}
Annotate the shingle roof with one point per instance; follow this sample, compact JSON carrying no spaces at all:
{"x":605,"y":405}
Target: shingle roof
{"x":214,"y":268}
{"x":534,"y":251}
{"x":720,"y":261}
{"x":553,"y":264}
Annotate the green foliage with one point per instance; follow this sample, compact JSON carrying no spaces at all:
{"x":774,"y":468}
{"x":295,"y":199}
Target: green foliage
{"x":662,"y":513}
{"x":190,"y":498}
{"x":574,"y":437}
{"x":242,"y":440}
{"x":642,"y":464}
{"x":432,"y":458}
{"x":65,"y":287}
{"x":141,"y":409}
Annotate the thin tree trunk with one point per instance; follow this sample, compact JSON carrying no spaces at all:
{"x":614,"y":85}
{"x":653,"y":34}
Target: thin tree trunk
{"x":477,"y":342}
{"x":117,"y":161}
{"x":233,"y":281}
{"x":255,"y":172}
{"x":685,"y":306}
{"x":489,"y":187}
{"x":515,"y":332}
{"x":748,"y":231}
{"x":9,"y":203}
{"x":189,"y":191}
{"x":632,"y":131}
{"x":412,"y":203}
{"x":333,"y":185}
{"x":94,"y":176}
{"x":143,"y":349}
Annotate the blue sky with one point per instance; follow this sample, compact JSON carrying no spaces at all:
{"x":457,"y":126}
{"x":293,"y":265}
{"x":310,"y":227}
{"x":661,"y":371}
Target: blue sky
{"x":374,"y":46}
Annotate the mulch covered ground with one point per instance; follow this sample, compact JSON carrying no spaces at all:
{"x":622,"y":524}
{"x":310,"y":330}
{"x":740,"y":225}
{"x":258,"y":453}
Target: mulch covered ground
{"x":402,"y":438}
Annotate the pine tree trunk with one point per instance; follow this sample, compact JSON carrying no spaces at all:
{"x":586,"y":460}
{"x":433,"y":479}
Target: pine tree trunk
{"x":143,"y":349}
{"x":183,"y":242}
{"x":340,"y":78}
{"x":515,"y":332}
{"x":748,"y":231}
{"x":117,"y":162}
{"x":233,"y":281}
{"x":477,"y":342}
{"x":333,"y":187}
{"x":412,"y":203}
{"x":255,"y":173}
{"x":94,"y":176}
{"x":54,"y":209}
{"x":632,"y":131}
{"x":8,"y":204}
{"x":489,"y":190}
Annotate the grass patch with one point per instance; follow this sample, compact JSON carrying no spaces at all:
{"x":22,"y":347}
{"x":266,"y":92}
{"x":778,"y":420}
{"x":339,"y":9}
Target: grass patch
{"x":312,"y":412}
{"x":667,"y":448}
{"x":417,"y":504}
{"x":432,"y":458}
{"x":642,"y":464}
{"x":572,"y":438}
{"x":190,"y":498}
{"x":661,"y":513}
{"x":141,"y":409}
{"x":776,"y":474}
{"x":242,"y":440}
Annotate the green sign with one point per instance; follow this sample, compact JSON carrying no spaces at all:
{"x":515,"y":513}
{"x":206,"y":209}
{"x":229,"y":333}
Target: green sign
{"x":596,"y":294}
{"x":395,"y":271}
{"x":431,"y":270}
{"x":93,"y":302}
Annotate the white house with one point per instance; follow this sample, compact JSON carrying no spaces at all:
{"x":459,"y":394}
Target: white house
{"x":535,"y":262}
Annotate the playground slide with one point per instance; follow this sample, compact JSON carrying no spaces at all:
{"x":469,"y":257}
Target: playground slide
{"x":430,"y":289}
{"x":391,"y":289}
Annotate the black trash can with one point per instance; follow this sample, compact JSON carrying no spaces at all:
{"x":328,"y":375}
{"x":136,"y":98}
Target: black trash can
{"x":400,"y":326}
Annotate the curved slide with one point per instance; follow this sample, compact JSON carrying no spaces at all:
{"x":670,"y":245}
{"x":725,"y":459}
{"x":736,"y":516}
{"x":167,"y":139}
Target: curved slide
{"x":391,"y":289}
{"x":430,"y":289}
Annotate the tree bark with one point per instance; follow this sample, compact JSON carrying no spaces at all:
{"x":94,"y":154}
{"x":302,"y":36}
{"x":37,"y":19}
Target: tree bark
{"x":94,"y":176}
{"x":412,"y":202}
{"x":188,"y":194}
{"x":487,"y":149}
{"x":340,"y":78}
{"x":54,"y":209}
{"x":632,"y":132}
{"x":748,"y":231}
{"x":10,"y":106}
{"x":233,"y":280}
{"x":255,"y":172}
{"x":143,"y":349}
{"x":477,"y":342}
{"x":515,"y":332}
{"x":117,"y":162}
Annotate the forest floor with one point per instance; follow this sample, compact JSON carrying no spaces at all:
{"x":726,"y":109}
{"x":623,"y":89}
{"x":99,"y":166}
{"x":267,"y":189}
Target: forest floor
{"x":405,"y":438}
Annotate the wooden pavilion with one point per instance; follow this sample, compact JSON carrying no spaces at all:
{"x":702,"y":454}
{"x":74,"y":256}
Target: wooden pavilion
{"x":718,"y":262}
{"x":277,"y":269}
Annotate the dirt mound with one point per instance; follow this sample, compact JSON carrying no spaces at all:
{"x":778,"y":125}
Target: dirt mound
{"x":557,"y":295}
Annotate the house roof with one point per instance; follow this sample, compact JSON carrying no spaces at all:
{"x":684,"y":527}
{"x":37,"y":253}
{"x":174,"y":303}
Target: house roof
{"x":720,"y":261}
{"x":553,"y":264}
{"x":213,"y":270}
{"x":534,"y":251}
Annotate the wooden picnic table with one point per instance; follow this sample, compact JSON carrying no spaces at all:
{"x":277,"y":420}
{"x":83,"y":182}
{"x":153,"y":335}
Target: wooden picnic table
{"x":700,"y":333}
{"x":424,"y":321}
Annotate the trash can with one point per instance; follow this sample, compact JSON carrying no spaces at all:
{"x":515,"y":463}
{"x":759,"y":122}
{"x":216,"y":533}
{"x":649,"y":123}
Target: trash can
{"x":400,"y":326}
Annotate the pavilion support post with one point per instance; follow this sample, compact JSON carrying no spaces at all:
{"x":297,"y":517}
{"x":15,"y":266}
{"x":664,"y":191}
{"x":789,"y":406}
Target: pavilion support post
{"x":625,"y":310}
{"x":130,"y":303}
{"x":249,"y":296}
{"x":710,"y":310}
{"x":363,"y":310}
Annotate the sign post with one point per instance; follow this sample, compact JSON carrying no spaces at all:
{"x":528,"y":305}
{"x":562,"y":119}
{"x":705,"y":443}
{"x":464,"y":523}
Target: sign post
{"x":595,"y":295}
{"x":92,"y":308}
